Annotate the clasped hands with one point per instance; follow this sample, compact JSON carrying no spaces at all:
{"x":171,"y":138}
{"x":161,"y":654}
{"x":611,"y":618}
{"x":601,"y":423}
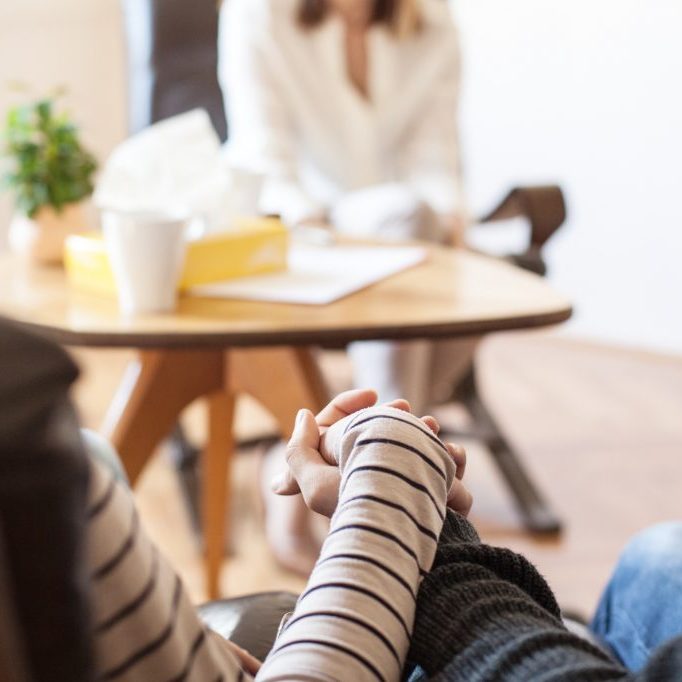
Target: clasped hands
{"x":311,"y":466}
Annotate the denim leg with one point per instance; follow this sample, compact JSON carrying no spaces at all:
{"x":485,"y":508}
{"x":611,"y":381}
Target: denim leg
{"x":413,"y":673}
{"x":641,"y":607}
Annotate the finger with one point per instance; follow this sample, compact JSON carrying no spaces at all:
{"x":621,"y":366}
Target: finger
{"x":346,"y":403}
{"x":432,"y":423}
{"x":352,"y":401}
{"x":318,"y":481}
{"x":400,"y":404}
{"x":304,"y":442}
{"x":460,"y":499}
{"x":306,"y":433}
{"x":459,"y":457}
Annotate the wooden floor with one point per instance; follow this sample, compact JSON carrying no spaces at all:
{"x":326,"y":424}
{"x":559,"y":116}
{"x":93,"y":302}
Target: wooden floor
{"x":600,"y":428}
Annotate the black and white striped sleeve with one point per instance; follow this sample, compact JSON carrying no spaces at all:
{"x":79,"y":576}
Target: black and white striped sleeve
{"x":144,"y":624}
{"x":355,"y":618}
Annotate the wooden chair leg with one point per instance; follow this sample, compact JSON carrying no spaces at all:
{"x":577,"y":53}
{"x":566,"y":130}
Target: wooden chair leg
{"x":186,"y":458}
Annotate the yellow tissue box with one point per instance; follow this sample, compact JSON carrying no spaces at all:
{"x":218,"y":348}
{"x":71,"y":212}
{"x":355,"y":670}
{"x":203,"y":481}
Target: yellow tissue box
{"x":254,"y":246}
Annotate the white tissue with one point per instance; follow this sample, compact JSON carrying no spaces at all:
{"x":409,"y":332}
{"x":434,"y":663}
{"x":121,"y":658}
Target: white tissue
{"x":176,"y":166}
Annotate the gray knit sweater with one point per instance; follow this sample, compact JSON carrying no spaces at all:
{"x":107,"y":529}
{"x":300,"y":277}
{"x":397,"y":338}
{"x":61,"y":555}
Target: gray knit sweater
{"x":485,"y":613}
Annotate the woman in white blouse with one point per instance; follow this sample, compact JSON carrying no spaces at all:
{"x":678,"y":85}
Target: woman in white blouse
{"x":347,"y":108}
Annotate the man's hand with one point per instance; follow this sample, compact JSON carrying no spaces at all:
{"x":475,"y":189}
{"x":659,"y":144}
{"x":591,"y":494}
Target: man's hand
{"x":460,"y":499}
{"x":312,"y":468}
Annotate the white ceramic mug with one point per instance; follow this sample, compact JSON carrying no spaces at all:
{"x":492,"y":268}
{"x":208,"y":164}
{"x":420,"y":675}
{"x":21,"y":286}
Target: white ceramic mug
{"x":146,"y":251}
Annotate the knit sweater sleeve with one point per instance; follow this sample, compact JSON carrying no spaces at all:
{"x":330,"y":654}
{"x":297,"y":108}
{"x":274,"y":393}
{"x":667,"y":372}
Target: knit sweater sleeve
{"x":486,"y":613}
{"x":354,"y":620}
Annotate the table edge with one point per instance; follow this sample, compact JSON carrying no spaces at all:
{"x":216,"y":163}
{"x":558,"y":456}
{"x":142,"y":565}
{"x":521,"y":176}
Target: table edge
{"x":303,"y":337}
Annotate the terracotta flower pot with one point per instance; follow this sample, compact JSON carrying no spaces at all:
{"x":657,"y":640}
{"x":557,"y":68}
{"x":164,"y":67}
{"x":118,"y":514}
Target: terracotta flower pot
{"x":41,"y":239}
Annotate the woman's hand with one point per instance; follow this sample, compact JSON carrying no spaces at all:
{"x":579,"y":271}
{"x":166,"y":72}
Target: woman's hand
{"x":308,"y":472}
{"x":312,"y":468}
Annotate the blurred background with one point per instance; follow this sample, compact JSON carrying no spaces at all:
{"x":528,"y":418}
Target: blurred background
{"x":580,"y":93}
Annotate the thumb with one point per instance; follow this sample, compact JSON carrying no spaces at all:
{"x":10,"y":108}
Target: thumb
{"x":306,"y":432}
{"x":305,"y":437}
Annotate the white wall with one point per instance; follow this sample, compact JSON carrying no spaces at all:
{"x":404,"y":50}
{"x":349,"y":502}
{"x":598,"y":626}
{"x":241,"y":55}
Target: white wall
{"x":583,"y":92}
{"x":587,"y":93}
{"x":74,"y":43}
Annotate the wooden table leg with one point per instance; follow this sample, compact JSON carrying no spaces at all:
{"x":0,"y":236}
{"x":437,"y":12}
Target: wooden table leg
{"x":216,"y":485}
{"x":154,"y":391}
{"x":283,"y":378}
{"x":157,"y":387}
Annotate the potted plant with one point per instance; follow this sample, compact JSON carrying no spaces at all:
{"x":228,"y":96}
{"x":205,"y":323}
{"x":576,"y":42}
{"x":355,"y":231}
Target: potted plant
{"x":50,"y":174}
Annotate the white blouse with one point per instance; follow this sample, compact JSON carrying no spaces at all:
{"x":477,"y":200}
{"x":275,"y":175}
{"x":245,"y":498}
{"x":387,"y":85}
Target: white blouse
{"x":295,"y":117}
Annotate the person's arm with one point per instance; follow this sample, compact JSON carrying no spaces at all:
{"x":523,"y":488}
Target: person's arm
{"x":486,"y":613}
{"x":354,"y":619}
{"x":261,"y":133}
{"x":144,"y":625}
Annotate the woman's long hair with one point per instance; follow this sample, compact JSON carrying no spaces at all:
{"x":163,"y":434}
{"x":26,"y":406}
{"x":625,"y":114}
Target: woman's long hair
{"x":401,"y":16}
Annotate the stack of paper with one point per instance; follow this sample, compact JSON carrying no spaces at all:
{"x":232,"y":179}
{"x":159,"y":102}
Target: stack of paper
{"x":319,"y":275}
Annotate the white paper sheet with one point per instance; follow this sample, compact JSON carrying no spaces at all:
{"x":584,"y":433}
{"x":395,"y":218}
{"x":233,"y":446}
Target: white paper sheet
{"x":318,"y":275}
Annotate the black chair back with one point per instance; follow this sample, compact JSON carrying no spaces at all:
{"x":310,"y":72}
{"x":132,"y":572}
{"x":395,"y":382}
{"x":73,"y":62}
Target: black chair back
{"x":172,"y":50}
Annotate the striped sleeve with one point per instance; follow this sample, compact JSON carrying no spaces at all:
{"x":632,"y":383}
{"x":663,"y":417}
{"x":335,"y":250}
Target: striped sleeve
{"x":144,"y":625}
{"x":355,"y":618}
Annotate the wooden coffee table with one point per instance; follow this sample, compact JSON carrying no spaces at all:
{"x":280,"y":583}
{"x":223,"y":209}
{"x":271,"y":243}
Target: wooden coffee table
{"x":215,"y":348}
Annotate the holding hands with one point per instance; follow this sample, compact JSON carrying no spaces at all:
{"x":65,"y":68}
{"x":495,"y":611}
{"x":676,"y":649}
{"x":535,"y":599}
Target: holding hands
{"x":312,"y":454}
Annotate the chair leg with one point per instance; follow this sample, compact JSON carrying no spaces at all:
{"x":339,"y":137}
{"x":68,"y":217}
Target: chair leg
{"x":536,"y":513}
{"x":185,"y":457}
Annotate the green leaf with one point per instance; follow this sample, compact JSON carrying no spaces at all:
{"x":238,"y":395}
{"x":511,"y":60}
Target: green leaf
{"x":44,"y":111}
{"x":48,"y":164}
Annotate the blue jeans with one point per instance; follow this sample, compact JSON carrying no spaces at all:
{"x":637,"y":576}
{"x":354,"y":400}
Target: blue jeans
{"x":641,"y":607}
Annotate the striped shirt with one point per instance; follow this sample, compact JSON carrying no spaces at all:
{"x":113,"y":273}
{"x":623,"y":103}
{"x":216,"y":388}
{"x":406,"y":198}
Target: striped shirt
{"x":355,"y":617}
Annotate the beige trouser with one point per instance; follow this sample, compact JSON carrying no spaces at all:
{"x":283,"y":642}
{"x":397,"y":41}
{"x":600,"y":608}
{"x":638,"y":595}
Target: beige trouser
{"x":423,"y":372}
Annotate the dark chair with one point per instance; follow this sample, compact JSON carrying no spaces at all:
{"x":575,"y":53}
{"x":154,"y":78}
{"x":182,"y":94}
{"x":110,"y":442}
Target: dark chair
{"x":545,"y":211}
{"x":172,"y":56}
{"x":172,"y":59}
